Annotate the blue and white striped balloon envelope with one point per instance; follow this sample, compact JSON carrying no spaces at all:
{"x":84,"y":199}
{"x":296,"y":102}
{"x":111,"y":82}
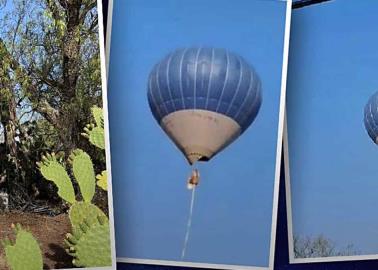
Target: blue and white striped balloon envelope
{"x":204,"y":98}
{"x":371,"y":117}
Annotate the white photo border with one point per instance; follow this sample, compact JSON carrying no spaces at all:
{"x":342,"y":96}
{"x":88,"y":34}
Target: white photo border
{"x":277,"y":165}
{"x":107,"y":135}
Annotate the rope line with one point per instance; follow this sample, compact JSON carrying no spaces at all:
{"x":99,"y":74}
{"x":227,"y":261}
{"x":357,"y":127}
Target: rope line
{"x":189,"y":225}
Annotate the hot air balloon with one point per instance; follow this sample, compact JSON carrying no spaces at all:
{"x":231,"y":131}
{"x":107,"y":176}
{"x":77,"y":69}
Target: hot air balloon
{"x":371,"y":117}
{"x":203,"y":98}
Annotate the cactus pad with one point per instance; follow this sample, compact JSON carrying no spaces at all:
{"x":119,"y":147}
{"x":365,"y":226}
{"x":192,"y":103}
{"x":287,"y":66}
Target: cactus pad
{"x":90,"y":244}
{"x":95,"y":135}
{"x":81,"y":211}
{"x":53,"y":170}
{"x":98,"y":116}
{"x":95,"y":132}
{"x":25,"y":253}
{"x":83,"y":171}
{"x":102,"y":180}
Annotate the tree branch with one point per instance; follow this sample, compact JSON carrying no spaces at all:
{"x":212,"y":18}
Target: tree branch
{"x":41,"y":106}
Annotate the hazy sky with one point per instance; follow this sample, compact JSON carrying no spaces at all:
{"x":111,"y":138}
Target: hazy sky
{"x":333,"y":67}
{"x":233,"y":207}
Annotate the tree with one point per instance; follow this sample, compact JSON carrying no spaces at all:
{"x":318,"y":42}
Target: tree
{"x":319,"y":246}
{"x":50,"y":77}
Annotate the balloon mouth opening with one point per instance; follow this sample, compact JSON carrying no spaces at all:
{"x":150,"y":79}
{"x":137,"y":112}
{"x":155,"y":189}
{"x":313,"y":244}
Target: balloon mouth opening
{"x":204,"y":159}
{"x":196,"y":157}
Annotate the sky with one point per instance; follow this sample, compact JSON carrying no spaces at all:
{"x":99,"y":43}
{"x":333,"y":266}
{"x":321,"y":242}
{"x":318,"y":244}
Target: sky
{"x":333,"y":65}
{"x":233,"y":207}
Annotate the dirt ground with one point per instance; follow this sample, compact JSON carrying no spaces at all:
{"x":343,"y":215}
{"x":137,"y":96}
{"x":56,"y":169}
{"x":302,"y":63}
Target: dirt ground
{"x":49,"y":231}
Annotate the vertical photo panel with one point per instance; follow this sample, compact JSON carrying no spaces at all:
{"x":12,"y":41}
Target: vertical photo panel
{"x":332,"y":118}
{"x":196,"y":105}
{"x":56,"y":209}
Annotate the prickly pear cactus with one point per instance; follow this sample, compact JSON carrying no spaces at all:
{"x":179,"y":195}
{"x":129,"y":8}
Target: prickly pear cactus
{"x":25,"y":253}
{"x":90,"y":244}
{"x":81,"y":211}
{"x":51,"y":169}
{"x":82,"y":168}
{"x":98,"y":115}
{"x":95,"y":132}
{"x":95,"y":135}
{"x":102,"y":180}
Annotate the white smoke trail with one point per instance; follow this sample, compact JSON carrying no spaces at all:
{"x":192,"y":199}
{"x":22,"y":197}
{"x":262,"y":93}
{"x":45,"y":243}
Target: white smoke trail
{"x":189,"y":225}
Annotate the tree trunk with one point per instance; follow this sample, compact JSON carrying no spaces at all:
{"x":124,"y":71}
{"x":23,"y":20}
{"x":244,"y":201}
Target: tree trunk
{"x":71,"y":70}
{"x":10,"y":173}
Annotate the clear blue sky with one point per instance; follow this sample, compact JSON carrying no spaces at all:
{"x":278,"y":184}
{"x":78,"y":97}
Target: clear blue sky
{"x":333,"y":67}
{"x":233,"y":208}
